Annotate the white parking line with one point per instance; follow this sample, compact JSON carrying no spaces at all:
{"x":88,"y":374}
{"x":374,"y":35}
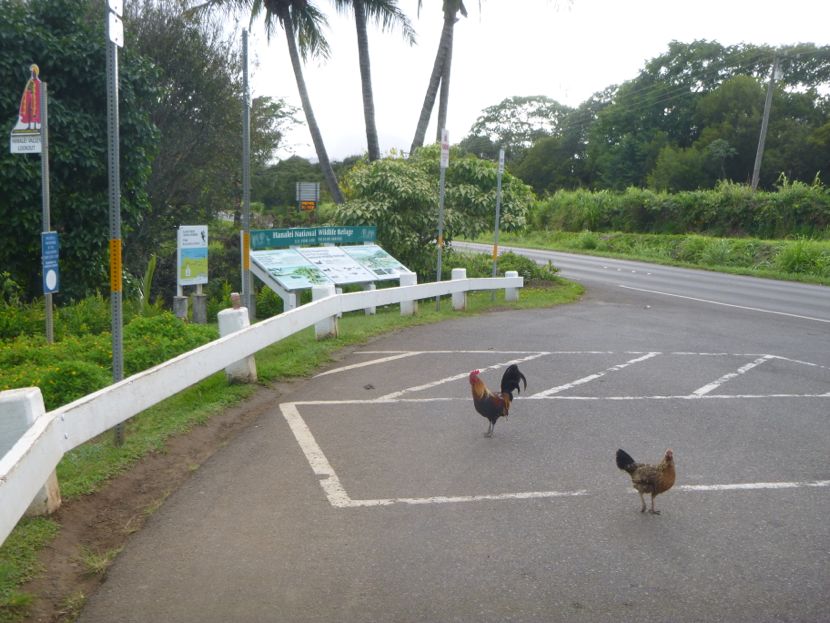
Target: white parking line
{"x":592,"y":377}
{"x":373,"y":362}
{"x":339,"y":498}
{"x":744,"y":486}
{"x":457,"y":377}
{"x":702,"y":391}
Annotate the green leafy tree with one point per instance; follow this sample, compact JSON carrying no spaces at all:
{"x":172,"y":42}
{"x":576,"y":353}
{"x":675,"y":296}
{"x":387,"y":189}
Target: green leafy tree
{"x":66,"y":38}
{"x":516,"y":123}
{"x":400,"y":197}
{"x":679,"y":168}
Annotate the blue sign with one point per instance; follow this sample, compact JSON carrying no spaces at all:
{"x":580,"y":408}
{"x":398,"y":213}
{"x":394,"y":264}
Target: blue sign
{"x":50,"y":246}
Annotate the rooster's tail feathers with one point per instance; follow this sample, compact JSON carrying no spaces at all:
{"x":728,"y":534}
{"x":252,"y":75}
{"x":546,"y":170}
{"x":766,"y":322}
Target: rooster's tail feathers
{"x":510,"y":379}
{"x":624,"y":461}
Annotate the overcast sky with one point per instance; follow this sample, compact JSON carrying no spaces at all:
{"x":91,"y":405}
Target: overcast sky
{"x":565,"y":50}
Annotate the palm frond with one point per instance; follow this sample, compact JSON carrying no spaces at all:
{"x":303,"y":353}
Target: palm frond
{"x":309,"y":22}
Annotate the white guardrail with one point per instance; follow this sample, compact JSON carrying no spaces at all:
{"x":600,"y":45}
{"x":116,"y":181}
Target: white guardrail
{"x":33,"y":458}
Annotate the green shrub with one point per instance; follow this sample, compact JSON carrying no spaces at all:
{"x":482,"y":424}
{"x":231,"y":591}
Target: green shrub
{"x":90,"y":315}
{"x":268,"y":303}
{"x":728,"y":210}
{"x":803,"y":257}
{"x":153,"y":340}
{"x":587,"y":240}
{"x":716,"y":252}
{"x":22,"y":319}
{"x":69,"y":380}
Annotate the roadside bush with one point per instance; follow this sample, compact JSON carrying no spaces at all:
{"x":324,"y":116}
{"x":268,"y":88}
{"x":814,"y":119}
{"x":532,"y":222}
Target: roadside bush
{"x":803,"y":257}
{"x":481,"y":265}
{"x":22,"y":319}
{"x":268,"y":303}
{"x":151,"y":341}
{"x":716,"y":252}
{"x":728,"y":210}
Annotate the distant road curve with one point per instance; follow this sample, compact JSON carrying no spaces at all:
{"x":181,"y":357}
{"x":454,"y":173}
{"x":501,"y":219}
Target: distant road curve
{"x":784,"y":298}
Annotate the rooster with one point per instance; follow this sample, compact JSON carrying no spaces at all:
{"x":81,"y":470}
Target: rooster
{"x":493,"y":406}
{"x":653,"y":479}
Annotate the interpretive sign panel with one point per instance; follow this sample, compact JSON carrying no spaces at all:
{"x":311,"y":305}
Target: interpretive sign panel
{"x":289,"y":268}
{"x":336,"y":265}
{"x":376,"y":260}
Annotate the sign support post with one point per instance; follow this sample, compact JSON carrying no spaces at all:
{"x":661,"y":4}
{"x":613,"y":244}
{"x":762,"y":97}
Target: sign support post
{"x":115,"y":39}
{"x":498,"y":216}
{"x":30,"y":135}
{"x":445,"y":161}
{"x":245,"y":241}
{"x":44,"y":181}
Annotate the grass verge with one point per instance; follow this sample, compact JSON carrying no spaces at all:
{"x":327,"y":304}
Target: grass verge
{"x":87,"y":468}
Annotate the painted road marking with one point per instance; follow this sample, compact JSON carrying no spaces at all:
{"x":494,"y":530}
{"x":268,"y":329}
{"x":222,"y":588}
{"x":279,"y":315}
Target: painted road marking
{"x":757,"y":309}
{"x":745,"y":486}
{"x":373,"y":362}
{"x":592,"y":377}
{"x":458,"y":377}
{"x":339,"y":498}
{"x":728,"y":377}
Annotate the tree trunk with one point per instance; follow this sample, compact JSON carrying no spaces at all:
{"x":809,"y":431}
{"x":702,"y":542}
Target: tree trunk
{"x":444,"y":98}
{"x":316,"y":137}
{"x":434,"y":80}
{"x":366,"y":81}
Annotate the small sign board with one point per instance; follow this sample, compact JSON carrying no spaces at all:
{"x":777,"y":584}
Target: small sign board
{"x":445,"y":148}
{"x":50,"y":248}
{"x":25,"y":135}
{"x":307,"y":206}
{"x":308,"y":191}
{"x":192,"y":265}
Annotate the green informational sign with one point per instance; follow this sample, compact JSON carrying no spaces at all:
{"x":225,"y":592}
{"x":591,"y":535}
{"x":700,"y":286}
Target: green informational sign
{"x":346,"y":235}
{"x":311,"y":236}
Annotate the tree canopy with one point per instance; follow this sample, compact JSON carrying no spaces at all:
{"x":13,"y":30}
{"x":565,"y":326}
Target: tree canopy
{"x":690,"y":118}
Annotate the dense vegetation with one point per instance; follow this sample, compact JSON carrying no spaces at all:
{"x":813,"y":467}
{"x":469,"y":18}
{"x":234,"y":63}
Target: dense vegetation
{"x":794,"y":209}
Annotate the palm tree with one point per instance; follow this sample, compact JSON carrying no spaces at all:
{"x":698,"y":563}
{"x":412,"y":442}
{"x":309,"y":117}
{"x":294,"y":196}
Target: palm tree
{"x":303,"y":24}
{"x":440,"y":74}
{"x":387,"y":14}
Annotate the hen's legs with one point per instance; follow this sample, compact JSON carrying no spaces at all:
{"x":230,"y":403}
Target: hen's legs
{"x":489,"y":433}
{"x":643,"y":500}
{"x":652,"y":511}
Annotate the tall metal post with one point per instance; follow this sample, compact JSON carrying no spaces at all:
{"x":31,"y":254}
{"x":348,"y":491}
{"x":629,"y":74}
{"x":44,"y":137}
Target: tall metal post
{"x":114,"y":169}
{"x":445,"y":161}
{"x":498,"y":217}
{"x":245,"y":242}
{"x":44,"y":181}
{"x":756,"y":170}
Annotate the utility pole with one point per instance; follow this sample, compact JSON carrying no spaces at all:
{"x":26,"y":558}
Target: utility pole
{"x":756,"y":170}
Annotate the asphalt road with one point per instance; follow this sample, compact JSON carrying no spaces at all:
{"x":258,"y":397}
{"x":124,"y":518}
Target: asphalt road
{"x":369,"y":493}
